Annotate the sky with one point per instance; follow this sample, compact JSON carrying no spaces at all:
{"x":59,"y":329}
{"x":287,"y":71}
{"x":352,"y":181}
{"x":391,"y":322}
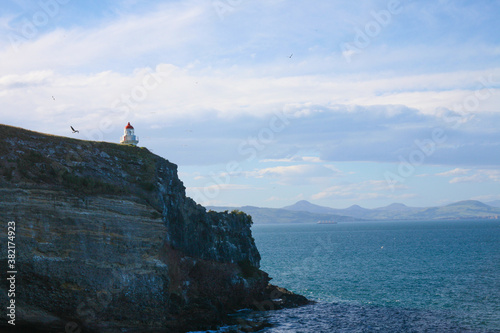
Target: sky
{"x":266,"y":103}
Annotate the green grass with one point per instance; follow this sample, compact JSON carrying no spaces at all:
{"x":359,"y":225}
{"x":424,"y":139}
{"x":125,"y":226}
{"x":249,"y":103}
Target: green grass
{"x":73,"y":163}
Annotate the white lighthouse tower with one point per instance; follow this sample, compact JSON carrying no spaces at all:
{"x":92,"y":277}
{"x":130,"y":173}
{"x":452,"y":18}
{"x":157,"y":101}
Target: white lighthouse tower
{"x":129,"y":137}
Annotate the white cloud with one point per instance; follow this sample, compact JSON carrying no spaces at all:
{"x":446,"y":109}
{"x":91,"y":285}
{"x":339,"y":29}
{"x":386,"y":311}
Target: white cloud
{"x":338,"y":132}
{"x":296,"y":174}
{"x":168,"y":27}
{"x":34,"y":78}
{"x":454,"y":172}
{"x":478,"y":176}
{"x":294,"y":159}
{"x":194,"y":87}
{"x":223,"y":79}
{"x":471,"y":175}
{"x":222,"y":187}
{"x":366,"y":190}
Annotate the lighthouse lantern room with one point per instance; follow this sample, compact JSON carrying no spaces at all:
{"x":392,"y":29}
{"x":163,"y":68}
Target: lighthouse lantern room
{"x":129,"y":137}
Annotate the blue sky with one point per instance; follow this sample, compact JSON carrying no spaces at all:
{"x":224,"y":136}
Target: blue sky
{"x":269,"y":102}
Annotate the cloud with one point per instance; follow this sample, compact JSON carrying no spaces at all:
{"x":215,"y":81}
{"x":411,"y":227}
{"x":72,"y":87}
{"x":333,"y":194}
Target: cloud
{"x":454,"y":172}
{"x":388,"y":133}
{"x":366,"y":190}
{"x":222,"y":187}
{"x":199,"y":86}
{"x":478,"y":176}
{"x":183,"y":99}
{"x":471,"y":175}
{"x":300,"y":174}
{"x":212,"y":84}
{"x":295,"y":159}
{"x":31,"y":79}
{"x":109,"y":44}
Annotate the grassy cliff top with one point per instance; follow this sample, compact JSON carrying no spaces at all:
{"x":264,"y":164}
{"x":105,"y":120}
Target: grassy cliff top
{"x":30,"y":158}
{"x":9,"y":133}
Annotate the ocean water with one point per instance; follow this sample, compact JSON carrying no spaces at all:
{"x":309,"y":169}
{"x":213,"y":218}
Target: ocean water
{"x":385,"y":276}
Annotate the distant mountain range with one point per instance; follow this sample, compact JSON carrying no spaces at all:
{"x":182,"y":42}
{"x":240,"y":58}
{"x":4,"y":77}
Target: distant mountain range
{"x":305,"y":212}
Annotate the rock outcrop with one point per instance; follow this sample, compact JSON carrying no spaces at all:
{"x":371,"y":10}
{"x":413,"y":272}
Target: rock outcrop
{"x":107,"y":241}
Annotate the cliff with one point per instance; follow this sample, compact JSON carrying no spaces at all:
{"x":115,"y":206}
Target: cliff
{"x":107,"y":241}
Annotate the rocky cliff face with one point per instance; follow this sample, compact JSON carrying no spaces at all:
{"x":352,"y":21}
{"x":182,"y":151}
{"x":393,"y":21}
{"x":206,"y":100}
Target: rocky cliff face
{"x":107,"y":241}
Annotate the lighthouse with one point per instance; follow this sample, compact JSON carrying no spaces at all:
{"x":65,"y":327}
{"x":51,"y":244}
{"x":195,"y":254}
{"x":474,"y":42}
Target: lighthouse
{"x":129,"y":137}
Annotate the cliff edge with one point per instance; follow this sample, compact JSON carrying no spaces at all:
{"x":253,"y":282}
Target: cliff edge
{"x":107,"y":241}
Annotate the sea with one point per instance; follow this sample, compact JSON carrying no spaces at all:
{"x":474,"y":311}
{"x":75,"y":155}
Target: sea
{"x":398,"y":276}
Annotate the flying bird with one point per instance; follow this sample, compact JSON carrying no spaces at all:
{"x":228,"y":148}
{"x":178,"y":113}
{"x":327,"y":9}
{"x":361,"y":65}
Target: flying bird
{"x":74,"y":130}
{"x":291,"y":55}
{"x":53,"y":98}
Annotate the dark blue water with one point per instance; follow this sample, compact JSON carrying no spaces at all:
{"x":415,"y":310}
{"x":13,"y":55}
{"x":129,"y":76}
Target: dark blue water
{"x":385,"y":276}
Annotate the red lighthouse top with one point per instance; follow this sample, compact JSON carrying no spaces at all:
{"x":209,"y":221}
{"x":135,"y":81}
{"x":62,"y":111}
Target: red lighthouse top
{"x":129,"y":126}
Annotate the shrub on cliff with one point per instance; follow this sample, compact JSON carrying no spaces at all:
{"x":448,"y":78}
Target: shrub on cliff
{"x":242,"y":215}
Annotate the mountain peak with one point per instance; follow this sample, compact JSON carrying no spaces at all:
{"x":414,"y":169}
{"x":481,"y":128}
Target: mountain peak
{"x":303,"y":202}
{"x":306,"y":206}
{"x":397,"y":205}
{"x":300,"y":204}
{"x":394,"y":207}
{"x":356,"y":207}
{"x":473,"y":203}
